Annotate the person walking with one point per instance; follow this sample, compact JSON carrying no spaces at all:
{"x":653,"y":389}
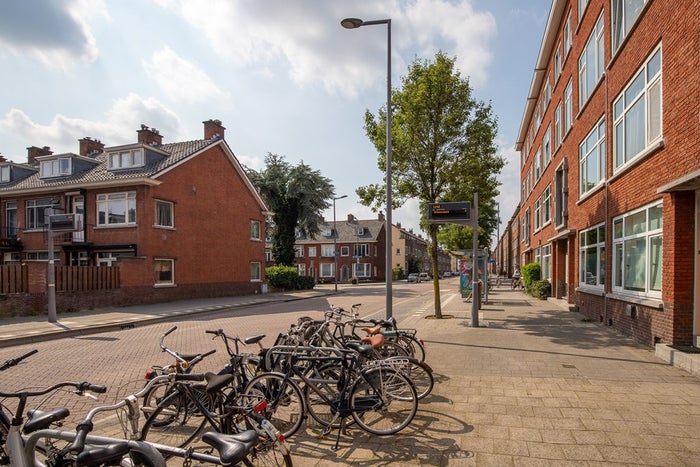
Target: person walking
{"x":516,"y":278}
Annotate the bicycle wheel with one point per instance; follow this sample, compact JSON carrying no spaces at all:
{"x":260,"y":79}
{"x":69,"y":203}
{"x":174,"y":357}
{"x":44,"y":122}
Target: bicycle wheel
{"x":325,"y":380}
{"x":418,"y":372}
{"x":391,"y":349}
{"x":173,"y":422}
{"x":413,"y":345}
{"x":383,"y":401}
{"x":285,"y":408}
{"x":154,"y":397}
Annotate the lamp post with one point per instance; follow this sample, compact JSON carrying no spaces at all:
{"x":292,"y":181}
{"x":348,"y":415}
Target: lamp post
{"x":335,"y":242}
{"x":354,"y":23}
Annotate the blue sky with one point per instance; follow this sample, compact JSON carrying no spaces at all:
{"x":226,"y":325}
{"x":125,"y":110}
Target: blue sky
{"x":282,"y":75}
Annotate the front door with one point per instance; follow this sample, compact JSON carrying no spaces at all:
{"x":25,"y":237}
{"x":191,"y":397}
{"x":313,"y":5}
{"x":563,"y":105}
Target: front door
{"x":696,"y":304}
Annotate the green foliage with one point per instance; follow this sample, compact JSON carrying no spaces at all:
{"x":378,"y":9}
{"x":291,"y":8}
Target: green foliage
{"x":540,"y":289}
{"x":354,"y":280}
{"x":282,"y":277}
{"x":297,"y":196}
{"x":397,"y":273}
{"x":530,"y":273}
{"x":305,"y":283}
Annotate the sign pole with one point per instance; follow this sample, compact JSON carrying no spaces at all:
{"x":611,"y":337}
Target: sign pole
{"x":51,"y":280}
{"x":476,"y":293}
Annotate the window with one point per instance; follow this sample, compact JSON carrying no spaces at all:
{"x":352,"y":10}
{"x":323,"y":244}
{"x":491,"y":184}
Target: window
{"x":5,"y":173}
{"x":592,"y":158}
{"x":538,"y":119}
{"x":538,"y":164}
{"x":547,"y":205}
{"x":344,"y":251}
{"x":312,"y":251}
{"x":361,"y":270}
{"x":164,"y":214}
{"x":328,"y":251}
{"x":546,"y":95}
{"x":592,"y":256}
{"x":560,"y":196}
{"x":568,"y":108}
{"x":538,"y":213}
{"x":37,"y":213}
{"x":582,"y":4}
{"x":268,"y":256}
{"x":624,"y":14}
{"x":637,"y":251}
{"x":557,"y":63}
{"x":254,"y":230}
{"x":591,"y":63}
{"x":526,"y":227}
{"x":546,"y":148}
{"x":164,"y":272}
{"x":116,"y":209}
{"x":126,"y":159}
{"x":55,"y":167}
{"x":298,"y":251}
{"x":327,"y":269}
{"x":567,"y":36}
{"x":10,"y":230}
{"x":361,"y":250}
{"x":41,"y":256}
{"x":546,"y":264}
{"x":637,"y":112}
{"x":255,"y":271}
{"x":558,"y":131}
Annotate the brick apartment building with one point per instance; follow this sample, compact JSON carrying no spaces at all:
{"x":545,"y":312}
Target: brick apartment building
{"x":179,"y":220}
{"x":610,"y":153}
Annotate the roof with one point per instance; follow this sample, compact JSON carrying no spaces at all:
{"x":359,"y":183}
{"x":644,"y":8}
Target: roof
{"x":347,"y":232}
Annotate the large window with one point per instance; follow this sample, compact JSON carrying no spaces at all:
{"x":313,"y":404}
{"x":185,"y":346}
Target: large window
{"x":116,"y":209}
{"x":547,"y":205}
{"x":164,"y":214}
{"x":546,"y":148}
{"x":328,"y":251}
{"x":5,"y":173}
{"x":164,"y":272}
{"x":361,"y":270}
{"x":37,"y":213}
{"x":538,"y":164}
{"x":558,"y":130}
{"x":637,"y":112}
{"x":361,"y":250}
{"x":255,"y":230}
{"x":567,"y":36}
{"x":327,"y":269}
{"x":546,"y":264}
{"x":255,"y":271}
{"x":638,"y":248}
{"x":624,"y":14}
{"x":568,"y":108}
{"x":592,"y":256}
{"x":10,"y":230}
{"x":591,"y":153}
{"x":312,"y":252}
{"x":55,"y":167}
{"x":591,"y":63}
{"x":557,"y":63}
{"x":560,"y":196}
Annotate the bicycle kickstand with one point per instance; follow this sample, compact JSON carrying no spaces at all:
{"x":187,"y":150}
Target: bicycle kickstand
{"x":340,"y":431}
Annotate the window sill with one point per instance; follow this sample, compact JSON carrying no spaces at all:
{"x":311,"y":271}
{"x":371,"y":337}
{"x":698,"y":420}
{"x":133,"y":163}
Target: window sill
{"x":163,"y":286}
{"x":163,"y":227}
{"x":116,"y":226}
{"x":644,"y":301}
{"x":591,"y":290}
{"x":619,"y":171}
{"x":590,"y":193}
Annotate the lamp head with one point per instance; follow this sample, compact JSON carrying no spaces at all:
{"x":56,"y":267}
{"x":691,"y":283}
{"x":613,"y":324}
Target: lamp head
{"x":351,"y":23}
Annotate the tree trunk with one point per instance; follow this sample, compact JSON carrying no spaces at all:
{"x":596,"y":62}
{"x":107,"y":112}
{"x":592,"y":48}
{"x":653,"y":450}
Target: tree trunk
{"x":436,"y":275}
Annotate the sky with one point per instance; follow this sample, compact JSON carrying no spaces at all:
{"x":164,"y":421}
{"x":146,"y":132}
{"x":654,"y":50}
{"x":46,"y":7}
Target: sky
{"x":283,"y":76}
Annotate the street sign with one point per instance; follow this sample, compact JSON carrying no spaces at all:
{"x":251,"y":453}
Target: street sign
{"x":449,"y":213}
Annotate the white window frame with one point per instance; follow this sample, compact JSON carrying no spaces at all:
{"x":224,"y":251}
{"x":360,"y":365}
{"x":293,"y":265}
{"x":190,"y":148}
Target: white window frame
{"x":592,"y":156}
{"x":629,"y":237}
{"x":547,"y":205}
{"x":255,"y":271}
{"x":568,"y":107}
{"x":546,"y":95}
{"x":622,"y":19}
{"x":546,"y":148}
{"x":592,"y":245}
{"x":557,"y":63}
{"x":644,"y":90}
{"x":169,"y":210}
{"x":591,"y":63}
{"x":5,"y":173}
{"x":582,"y":4}
{"x":344,"y":251}
{"x":312,"y":252}
{"x":546,"y":265}
{"x":107,"y":199}
{"x":558,"y":131}
{"x":327,"y":250}
{"x":126,"y":159}
{"x":567,"y":36}
{"x":538,"y":214}
{"x":537,"y":162}
{"x":362,"y":270}
{"x":36,"y":213}
{"x":326,"y":270}
{"x":55,"y":167}
{"x":361,"y":250}
{"x":255,"y":229}
{"x":158,"y":271}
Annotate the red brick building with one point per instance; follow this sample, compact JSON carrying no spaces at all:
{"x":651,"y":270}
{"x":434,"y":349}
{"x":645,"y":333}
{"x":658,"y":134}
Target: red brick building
{"x":610,"y":165}
{"x":180,"y":220}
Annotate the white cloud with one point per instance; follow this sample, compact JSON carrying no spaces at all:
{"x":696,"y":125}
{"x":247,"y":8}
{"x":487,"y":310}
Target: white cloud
{"x":62,"y":133}
{"x":510,"y":181}
{"x":180,"y":79}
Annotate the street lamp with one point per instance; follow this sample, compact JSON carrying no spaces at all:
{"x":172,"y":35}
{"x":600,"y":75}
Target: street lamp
{"x":354,"y":23}
{"x":335,"y":242}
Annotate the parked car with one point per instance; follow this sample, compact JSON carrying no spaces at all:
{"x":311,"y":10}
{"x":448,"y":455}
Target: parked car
{"x":413,"y":277}
{"x":446,"y":274}
{"x":423,"y":276}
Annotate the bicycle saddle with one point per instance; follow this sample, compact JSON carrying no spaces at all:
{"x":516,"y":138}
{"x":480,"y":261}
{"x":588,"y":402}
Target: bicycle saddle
{"x":40,"y":419}
{"x":232,"y":448}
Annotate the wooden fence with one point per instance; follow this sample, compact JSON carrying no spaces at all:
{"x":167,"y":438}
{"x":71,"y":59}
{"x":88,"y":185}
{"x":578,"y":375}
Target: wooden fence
{"x":14,"y":278}
{"x":79,"y":278}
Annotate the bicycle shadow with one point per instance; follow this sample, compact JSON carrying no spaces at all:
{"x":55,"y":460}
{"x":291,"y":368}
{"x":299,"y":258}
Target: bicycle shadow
{"x":430,"y":439}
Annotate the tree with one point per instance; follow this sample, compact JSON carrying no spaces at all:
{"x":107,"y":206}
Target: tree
{"x":297,"y":196}
{"x":442,"y":145}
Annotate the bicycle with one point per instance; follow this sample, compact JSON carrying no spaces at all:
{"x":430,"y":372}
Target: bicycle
{"x":379,"y":399}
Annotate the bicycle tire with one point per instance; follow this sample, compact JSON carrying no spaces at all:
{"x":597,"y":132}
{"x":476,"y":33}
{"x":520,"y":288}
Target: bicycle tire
{"x":413,"y":345}
{"x":326,"y":379}
{"x":418,"y":372}
{"x":390,"y":349}
{"x":383,"y":401}
{"x":285,"y":401}
{"x":183,"y":427}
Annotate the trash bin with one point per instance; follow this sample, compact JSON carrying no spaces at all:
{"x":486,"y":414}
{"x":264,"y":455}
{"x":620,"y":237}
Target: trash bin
{"x":263,"y":288}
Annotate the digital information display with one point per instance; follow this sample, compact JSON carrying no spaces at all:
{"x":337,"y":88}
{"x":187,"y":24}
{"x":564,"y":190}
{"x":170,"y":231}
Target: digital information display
{"x":449,"y":213}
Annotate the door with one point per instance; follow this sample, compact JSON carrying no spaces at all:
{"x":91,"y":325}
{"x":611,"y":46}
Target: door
{"x":79,"y":208}
{"x":696,"y":304}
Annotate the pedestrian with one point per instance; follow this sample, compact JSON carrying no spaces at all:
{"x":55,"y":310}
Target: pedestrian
{"x":516,"y":278}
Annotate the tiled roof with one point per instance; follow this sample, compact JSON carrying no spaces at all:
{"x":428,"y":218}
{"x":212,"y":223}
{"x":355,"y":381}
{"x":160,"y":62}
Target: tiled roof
{"x":346,"y":231}
{"x":101,"y":173}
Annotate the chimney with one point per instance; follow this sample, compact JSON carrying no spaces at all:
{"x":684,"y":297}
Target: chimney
{"x":398,"y":224}
{"x":33,"y":152}
{"x":149,"y":136}
{"x":381,"y":217}
{"x":90,"y":147}
{"x":351,"y":218}
{"x":2,"y":158}
{"x":213,"y":129}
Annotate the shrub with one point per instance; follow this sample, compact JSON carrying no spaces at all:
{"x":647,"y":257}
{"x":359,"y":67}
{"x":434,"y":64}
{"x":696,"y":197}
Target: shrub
{"x":354,"y":280}
{"x":530,"y":273}
{"x":282,"y":277}
{"x":305,"y":283}
{"x":541,"y":289}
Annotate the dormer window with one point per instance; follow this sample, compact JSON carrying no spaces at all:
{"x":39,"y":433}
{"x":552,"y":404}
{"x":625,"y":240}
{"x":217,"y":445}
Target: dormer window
{"x":56,"y":167}
{"x":126,"y":159}
{"x":5,"y":173}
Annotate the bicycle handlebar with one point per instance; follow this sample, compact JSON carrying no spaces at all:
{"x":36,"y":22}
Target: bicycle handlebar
{"x":14,"y":361}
